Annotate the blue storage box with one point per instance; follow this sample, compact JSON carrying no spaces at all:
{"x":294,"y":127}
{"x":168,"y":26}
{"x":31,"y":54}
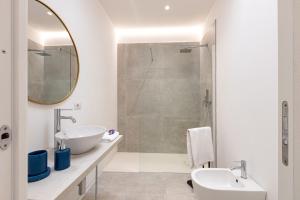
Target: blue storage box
{"x":62,"y":159}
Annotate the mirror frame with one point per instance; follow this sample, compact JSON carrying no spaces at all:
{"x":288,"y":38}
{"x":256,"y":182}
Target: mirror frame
{"x":78,"y":66}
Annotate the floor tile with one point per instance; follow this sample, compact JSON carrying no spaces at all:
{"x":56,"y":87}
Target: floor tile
{"x":143,"y":186}
{"x":148,"y":162}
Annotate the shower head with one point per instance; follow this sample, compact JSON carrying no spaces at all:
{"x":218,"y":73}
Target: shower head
{"x":39,"y":52}
{"x":189,"y":49}
{"x":185,"y":50}
{"x":43,"y":54}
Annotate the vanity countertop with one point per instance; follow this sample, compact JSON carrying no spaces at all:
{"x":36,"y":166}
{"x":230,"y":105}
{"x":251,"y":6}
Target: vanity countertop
{"x":59,"y":182}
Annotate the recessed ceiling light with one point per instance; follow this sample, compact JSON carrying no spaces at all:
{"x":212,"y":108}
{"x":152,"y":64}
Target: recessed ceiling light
{"x":167,"y":7}
{"x":50,"y":13}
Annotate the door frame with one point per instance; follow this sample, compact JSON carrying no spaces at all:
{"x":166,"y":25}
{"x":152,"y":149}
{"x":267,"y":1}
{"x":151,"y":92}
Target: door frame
{"x":214,"y":102}
{"x":19,"y":104}
{"x":285,"y":93}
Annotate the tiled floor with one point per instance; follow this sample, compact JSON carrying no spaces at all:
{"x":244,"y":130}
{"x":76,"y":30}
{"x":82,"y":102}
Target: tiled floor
{"x":142,"y":186}
{"x":148,"y":162}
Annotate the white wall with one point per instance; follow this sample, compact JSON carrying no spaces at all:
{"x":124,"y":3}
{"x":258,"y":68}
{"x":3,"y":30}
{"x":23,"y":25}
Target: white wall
{"x":160,"y":34}
{"x":34,"y":35}
{"x":96,"y":90}
{"x":247,"y":87}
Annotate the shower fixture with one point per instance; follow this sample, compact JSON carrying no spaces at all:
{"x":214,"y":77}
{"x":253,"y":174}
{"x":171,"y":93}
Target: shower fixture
{"x":151,"y":54}
{"x":39,"y":52}
{"x":189,"y":49}
{"x":207,"y":102}
{"x":45,"y":51}
{"x":43,"y":54}
{"x":186,"y":50}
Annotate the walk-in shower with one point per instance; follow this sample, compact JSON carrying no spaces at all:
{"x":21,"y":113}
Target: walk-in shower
{"x":163,"y":90}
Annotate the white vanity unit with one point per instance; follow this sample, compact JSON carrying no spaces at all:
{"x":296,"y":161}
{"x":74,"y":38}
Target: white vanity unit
{"x":61,"y":183}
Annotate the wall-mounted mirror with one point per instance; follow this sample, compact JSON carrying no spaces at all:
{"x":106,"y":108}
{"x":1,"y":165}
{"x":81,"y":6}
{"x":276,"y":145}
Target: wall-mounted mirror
{"x":53,"y":65}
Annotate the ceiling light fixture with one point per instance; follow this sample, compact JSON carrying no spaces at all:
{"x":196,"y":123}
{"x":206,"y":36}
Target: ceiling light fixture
{"x":50,"y":13}
{"x":167,"y":7}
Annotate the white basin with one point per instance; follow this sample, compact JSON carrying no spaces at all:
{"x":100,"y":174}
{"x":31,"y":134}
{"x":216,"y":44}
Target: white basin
{"x":81,"y":139}
{"x":222,"y":184}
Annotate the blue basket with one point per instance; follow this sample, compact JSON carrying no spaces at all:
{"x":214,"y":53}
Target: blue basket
{"x":37,"y":162}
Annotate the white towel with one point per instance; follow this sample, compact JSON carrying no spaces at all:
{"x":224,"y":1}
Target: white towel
{"x":200,"y":146}
{"x":111,"y":137}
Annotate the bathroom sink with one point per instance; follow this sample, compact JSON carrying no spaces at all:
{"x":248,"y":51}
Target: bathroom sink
{"x":223,"y":184}
{"x":81,"y":138}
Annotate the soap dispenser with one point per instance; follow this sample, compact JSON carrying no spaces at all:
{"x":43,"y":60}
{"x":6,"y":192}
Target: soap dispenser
{"x":62,"y":157}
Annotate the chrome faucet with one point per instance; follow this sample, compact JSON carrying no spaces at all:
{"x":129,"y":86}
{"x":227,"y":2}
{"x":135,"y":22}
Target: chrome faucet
{"x":243,"y":168}
{"x":57,"y":122}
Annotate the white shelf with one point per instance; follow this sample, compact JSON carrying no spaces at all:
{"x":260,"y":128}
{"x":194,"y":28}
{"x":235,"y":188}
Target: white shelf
{"x":61,"y":182}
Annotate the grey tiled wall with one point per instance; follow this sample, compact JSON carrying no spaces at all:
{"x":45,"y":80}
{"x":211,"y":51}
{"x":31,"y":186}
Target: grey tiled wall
{"x":60,"y":72}
{"x":159,"y":96}
{"x":35,"y":71}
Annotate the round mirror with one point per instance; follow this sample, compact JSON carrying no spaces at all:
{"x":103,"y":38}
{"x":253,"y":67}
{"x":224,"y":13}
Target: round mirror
{"x":53,"y":65}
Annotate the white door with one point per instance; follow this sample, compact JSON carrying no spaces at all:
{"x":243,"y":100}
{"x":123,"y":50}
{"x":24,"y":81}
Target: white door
{"x":5,"y":98}
{"x":296,"y":99}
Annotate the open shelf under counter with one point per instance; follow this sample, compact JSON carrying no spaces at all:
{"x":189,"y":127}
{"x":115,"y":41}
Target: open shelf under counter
{"x":59,"y":183}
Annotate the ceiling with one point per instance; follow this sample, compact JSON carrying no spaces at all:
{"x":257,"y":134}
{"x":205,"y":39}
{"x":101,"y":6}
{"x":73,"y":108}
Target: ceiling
{"x":151,"y":13}
{"x":40,"y":20}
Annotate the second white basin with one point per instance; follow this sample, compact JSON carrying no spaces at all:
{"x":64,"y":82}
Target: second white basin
{"x":222,"y":184}
{"x":81,"y":139}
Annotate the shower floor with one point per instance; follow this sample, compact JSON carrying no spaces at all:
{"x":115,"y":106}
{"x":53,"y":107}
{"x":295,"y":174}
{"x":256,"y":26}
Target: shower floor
{"x":142,"y":186}
{"x":148,"y":162}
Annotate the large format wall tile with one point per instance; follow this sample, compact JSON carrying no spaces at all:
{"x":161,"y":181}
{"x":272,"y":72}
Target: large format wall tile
{"x":143,"y":97}
{"x":181,"y":98}
{"x":35,"y":70}
{"x":174,"y":134}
